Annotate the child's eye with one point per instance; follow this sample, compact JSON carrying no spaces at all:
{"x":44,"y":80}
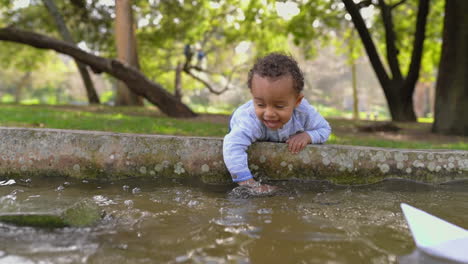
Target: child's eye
{"x":280,"y":106}
{"x":260,"y":105}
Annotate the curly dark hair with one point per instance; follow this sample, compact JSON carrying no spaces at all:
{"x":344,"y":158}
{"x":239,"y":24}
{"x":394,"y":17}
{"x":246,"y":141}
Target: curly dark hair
{"x":275,"y":65}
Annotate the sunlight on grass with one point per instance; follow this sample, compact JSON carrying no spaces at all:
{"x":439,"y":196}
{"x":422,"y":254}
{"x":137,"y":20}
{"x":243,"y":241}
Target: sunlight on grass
{"x":39,"y":116}
{"x":328,"y":111}
{"x":149,"y":121}
{"x":226,"y":110}
{"x":425,"y":120}
{"x":332,"y":139}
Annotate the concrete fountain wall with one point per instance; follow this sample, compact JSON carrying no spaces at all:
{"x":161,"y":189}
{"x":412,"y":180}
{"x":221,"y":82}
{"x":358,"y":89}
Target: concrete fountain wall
{"x":28,"y":152}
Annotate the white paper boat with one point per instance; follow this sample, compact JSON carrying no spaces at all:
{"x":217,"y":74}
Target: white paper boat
{"x":435,"y":236}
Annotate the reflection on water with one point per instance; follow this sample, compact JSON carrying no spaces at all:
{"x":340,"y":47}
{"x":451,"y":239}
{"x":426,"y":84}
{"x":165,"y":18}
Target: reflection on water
{"x":419,"y":257}
{"x":171,"y":222}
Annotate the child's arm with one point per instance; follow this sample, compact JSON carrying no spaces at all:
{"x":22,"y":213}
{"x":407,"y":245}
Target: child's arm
{"x":245,"y":130}
{"x":243,"y":133}
{"x":235,"y":145}
{"x":317,"y":130}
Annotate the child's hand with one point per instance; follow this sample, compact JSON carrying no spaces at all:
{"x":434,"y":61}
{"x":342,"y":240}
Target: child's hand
{"x":298,"y":142}
{"x":257,"y":187}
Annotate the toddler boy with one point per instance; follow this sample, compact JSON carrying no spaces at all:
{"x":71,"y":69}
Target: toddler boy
{"x":277,"y":112}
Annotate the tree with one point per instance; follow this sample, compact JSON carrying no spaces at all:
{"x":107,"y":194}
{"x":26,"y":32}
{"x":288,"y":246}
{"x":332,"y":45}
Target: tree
{"x":189,"y":67}
{"x":133,"y":78}
{"x":451,"y":104}
{"x":164,"y":27}
{"x":126,"y":49}
{"x":398,"y":88}
{"x":65,"y":33}
{"x":352,"y":57}
{"x":20,"y":86}
{"x":216,"y":28}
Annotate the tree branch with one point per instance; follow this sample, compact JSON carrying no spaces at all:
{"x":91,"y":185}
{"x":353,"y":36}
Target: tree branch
{"x":366,"y":39}
{"x":418,"y":44}
{"x":390,"y":41}
{"x":188,"y":67}
{"x":364,"y":3}
{"x":93,"y":97}
{"x":133,"y":78}
{"x":206,"y":83}
{"x":397,"y":4}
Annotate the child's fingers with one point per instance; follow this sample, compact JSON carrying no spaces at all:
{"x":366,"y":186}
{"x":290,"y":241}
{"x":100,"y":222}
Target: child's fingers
{"x":290,"y":145}
{"x":296,"y":144}
{"x":295,"y":147}
{"x":302,"y":146}
{"x":299,"y":146}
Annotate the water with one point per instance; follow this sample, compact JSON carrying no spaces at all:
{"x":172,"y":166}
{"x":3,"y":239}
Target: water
{"x":171,"y":222}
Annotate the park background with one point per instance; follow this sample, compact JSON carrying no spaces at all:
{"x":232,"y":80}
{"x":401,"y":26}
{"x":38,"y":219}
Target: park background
{"x":385,"y":73}
{"x":180,"y":67}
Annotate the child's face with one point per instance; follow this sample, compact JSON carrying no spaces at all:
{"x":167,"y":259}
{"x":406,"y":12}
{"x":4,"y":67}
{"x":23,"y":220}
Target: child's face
{"x":274,"y":99}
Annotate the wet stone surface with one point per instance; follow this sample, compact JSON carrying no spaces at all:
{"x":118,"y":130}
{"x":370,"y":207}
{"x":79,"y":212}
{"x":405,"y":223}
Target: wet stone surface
{"x":111,"y":156}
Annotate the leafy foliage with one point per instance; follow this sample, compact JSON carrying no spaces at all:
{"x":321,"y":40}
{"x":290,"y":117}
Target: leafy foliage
{"x":164,"y":27}
{"x":317,"y":20}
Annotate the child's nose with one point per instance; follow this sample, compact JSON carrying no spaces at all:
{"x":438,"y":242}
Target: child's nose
{"x":269,"y":112}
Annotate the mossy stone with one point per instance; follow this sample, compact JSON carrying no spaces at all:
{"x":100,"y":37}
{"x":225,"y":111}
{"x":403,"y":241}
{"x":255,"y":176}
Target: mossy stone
{"x":84,"y":213}
{"x":34,"y":220}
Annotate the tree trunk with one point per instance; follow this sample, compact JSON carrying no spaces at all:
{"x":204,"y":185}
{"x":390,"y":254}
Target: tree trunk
{"x":451,"y":103}
{"x":398,"y":90}
{"x":390,"y":40}
{"x":126,"y":49}
{"x":134,"y":79}
{"x":355,"y":93}
{"x":65,"y":33}
{"x":352,"y":60}
{"x":400,"y":101}
{"x":19,"y":87}
{"x":367,"y":42}
{"x":178,"y":81}
{"x":420,"y":99}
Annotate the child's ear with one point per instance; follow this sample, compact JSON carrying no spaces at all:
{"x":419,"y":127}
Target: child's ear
{"x":299,"y":100}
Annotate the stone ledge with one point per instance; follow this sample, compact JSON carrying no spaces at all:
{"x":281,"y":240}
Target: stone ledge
{"x":27,"y":152}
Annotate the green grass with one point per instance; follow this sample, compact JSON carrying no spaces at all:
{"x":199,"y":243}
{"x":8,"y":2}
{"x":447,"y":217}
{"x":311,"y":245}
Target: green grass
{"x":412,"y":136}
{"x":210,"y":109}
{"x":425,"y":119}
{"x":373,"y":142}
{"x":148,"y":120}
{"x":108,"y":119}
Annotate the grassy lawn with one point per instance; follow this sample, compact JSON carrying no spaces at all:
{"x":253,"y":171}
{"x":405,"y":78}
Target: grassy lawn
{"x":148,"y":120}
{"x":102,"y":118}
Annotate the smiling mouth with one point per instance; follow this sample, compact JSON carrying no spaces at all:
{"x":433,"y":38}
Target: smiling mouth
{"x":271,"y":123}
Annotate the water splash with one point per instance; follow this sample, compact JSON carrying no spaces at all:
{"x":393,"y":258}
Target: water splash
{"x":7,"y":182}
{"x":245,"y":192}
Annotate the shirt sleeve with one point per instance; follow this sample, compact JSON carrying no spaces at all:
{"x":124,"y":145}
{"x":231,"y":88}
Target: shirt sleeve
{"x":244,"y":131}
{"x":316,"y":126}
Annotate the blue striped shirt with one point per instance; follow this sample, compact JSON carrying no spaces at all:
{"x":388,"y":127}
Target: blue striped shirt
{"x":246,"y":128}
